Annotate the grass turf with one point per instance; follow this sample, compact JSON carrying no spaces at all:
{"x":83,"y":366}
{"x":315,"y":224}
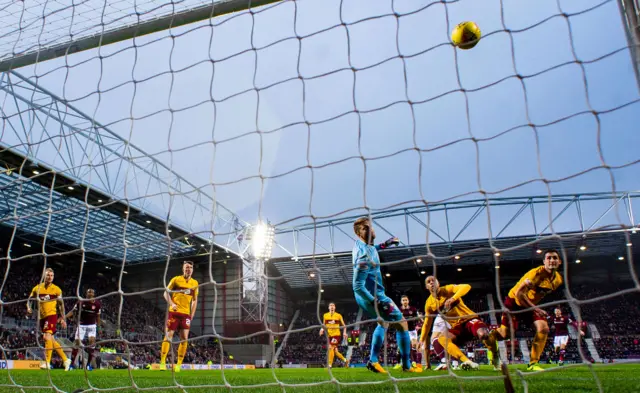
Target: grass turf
{"x":613,"y":378}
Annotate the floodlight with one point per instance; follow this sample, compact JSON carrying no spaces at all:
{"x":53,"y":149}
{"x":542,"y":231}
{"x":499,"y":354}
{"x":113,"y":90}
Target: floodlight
{"x":262,"y":240}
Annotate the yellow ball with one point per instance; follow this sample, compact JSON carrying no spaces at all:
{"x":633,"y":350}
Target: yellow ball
{"x":466,"y":35}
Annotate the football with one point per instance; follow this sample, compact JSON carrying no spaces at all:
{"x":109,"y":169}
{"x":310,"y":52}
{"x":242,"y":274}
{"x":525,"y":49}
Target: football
{"x":466,"y":35}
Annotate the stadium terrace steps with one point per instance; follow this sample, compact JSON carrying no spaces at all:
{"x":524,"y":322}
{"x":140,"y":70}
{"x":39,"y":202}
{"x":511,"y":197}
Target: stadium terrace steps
{"x":526,"y":356}
{"x":591,"y":346}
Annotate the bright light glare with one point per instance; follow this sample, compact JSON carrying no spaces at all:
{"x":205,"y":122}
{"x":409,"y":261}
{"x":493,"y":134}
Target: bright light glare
{"x":262,"y":241}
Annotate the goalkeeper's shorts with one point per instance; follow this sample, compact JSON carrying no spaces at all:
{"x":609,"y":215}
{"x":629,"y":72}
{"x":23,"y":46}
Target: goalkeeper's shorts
{"x":387,"y":309}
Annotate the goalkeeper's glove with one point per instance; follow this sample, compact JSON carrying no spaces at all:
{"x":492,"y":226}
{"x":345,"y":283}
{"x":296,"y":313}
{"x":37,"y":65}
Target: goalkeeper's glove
{"x":390,"y":242}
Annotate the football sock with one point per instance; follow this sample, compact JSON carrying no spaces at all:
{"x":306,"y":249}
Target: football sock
{"x":562,"y":352}
{"x":376,"y":343}
{"x":74,"y":354}
{"x":48,"y":345}
{"x":182,"y":350}
{"x":339,"y":355}
{"x":330,"y":358}
{"x":537,"y":346}
{"x":413,"y":355}
{"x":491,"y":344}
{"x":166,"y":346}
{"x":404,"y":344}
{"x":452,"y":349}
{"x":398,"y":357}
{"x":90,"y":350}
{"x":59,"y":350}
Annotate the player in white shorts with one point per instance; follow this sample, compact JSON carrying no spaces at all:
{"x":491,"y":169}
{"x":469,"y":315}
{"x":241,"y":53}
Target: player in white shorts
{"x":87,"y":315}
{"x":440,"y":327}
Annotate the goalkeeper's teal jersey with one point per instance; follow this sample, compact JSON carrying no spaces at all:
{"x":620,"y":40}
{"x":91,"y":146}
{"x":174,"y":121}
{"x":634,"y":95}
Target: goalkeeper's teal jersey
{"x":367,"y":278}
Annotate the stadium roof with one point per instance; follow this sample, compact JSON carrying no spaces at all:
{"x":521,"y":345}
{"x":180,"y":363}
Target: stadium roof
{"x":52,"y":206}
{"x":69,"y":179}
{"x":522,"y":228}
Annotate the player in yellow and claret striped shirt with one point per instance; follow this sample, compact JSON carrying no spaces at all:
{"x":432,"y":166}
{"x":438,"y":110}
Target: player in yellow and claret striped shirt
{"x":182,"y":298}
{"x":334,"y":321}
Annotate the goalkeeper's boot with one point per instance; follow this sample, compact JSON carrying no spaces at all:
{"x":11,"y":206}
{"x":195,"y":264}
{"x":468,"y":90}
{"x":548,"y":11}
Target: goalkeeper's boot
{"x":67,"y":364}
{"x":163,"y":367}
{"x":376,"y":367}
{"x":469,"y":365}
{"x":534,"y":367}
{"x":412,"y":369}
{"x":398,"y":366}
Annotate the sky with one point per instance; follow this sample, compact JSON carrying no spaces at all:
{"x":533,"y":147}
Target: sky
{"x":266,"y":114}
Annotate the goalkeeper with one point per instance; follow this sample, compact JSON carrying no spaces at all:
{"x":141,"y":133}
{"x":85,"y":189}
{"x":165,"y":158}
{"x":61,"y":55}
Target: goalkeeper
{"x":370,"y":296}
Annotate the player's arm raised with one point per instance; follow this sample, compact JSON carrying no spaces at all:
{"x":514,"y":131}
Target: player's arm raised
{"x":521,"y":295}
{"x":394,"y":241}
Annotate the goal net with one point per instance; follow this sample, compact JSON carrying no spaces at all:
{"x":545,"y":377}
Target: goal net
{"x":247,"y":137}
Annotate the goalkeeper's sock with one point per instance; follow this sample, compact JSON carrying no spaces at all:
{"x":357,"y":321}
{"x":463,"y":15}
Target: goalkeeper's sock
{"x":182,"y":350}
{"x":537,"y":346}
{"x":48,"y":350}
{"x":376,"y":343}
{"x":330,"y":358}
{"x":166,"y":346}
{"x":452,"y":349}
{"x":59,"y":350}
{"x":339,"y":355}
{"x":404,"y":344}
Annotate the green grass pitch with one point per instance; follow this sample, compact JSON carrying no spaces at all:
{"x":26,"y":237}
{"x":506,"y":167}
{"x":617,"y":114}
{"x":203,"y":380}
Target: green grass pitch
{"x":612,"y":378}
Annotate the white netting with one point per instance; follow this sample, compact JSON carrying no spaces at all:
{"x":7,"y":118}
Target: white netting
{"x":122,"y":160}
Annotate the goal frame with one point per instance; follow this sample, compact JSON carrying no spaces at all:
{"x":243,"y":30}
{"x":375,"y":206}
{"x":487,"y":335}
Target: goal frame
{"x":122,"y":33}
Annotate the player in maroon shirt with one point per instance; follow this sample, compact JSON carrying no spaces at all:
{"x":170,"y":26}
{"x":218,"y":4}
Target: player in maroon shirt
{"x":412,"y":316}
{"x":561,"y":324}
{"x":87,"y":315}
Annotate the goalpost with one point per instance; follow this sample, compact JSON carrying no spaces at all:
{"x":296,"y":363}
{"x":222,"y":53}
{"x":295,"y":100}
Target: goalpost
{"x":289,"y":112}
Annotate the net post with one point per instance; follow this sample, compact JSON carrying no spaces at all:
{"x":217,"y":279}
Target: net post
{"x":197,"y":14}
{"x":630,"y":13}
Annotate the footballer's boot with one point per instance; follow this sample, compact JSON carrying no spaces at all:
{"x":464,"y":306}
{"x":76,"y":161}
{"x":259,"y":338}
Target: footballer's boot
{"x":412,"y":369}
{"x":376,"y":367}
{"x":346,"y":364}
{"x":177,"y":368}
{"x":163,"y":367}
{"x":67,"y":364}
{"x":398,"y":366}
{"x":441,"y":366}
{"x":534,"y":367}
{"x":469,"y":365}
